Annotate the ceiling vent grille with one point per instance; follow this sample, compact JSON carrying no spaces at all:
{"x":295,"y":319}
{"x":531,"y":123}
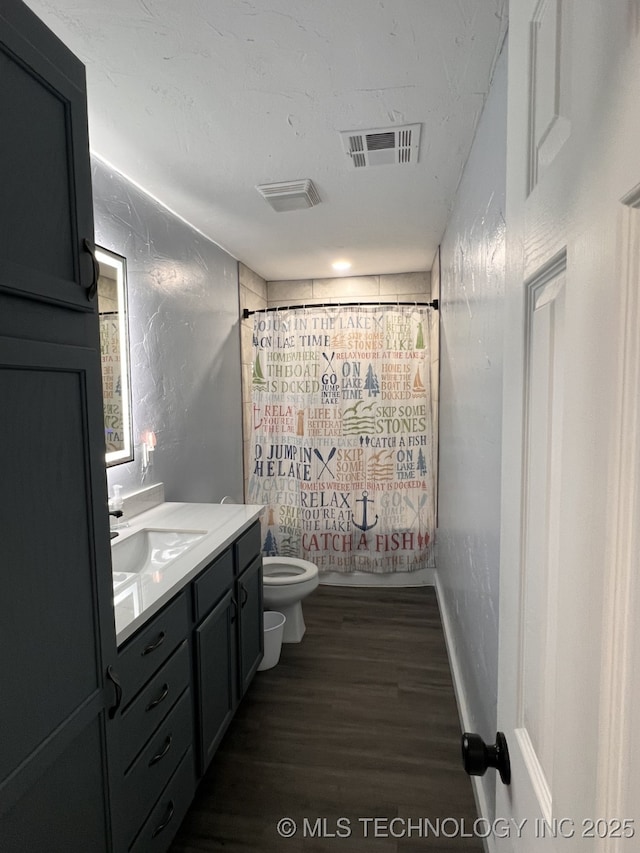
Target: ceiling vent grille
{"x":290,"y":195}
{"x":382,"y":146}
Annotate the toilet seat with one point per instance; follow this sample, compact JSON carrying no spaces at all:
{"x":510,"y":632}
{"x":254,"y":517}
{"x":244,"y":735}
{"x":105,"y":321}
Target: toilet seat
{"x":281,"y":571}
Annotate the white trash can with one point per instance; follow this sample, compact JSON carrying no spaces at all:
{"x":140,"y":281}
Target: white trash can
{"x":273,"y":631}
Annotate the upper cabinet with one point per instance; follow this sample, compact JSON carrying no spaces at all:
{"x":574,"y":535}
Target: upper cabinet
{"x":46,"y":227}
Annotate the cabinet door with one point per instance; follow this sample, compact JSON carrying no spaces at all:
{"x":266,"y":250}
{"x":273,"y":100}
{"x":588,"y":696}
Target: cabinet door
{"x":251,"y":633}
{"x":46,"y":210}
{"x":63,"y":812}
{"x":56,"y":606}
{"x":215,"y":666}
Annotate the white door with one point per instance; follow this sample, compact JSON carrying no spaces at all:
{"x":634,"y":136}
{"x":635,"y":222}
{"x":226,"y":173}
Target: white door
{"x":568,"y":700}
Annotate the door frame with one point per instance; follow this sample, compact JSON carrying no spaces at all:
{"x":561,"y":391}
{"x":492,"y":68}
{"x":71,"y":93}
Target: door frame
{"x":622,"y":591}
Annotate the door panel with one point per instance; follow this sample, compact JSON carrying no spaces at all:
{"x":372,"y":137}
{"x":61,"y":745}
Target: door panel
{"x":543,"y":422}
{"x":549,"y":122}
{"x":36,"y":176}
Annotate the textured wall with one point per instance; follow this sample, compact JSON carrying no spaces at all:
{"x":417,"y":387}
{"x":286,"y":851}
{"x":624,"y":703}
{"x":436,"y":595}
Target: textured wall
{"x":472,"y":277}
{"x":185,"y":344}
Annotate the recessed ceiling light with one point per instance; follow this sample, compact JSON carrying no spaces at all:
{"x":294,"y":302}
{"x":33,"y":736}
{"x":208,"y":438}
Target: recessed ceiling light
{"x":341,"y":266}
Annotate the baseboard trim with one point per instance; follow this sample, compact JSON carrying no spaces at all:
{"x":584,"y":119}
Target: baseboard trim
{"x":463,"y":706}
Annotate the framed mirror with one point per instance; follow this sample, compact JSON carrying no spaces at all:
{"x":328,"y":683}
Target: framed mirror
{"x":114,"y":346}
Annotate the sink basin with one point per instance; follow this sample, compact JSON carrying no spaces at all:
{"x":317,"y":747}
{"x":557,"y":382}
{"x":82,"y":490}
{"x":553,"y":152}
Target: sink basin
{"x":151,"y":550}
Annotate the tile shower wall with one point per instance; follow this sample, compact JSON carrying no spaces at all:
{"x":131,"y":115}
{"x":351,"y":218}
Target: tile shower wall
{"x":403,"y":287}
{"x":472,"y":280}
{"x":185,"y":344}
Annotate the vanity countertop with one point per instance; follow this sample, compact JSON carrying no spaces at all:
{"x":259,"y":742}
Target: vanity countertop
{"x":140,"y":595}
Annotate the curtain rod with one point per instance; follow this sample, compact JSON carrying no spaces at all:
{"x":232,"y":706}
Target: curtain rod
{"x":433,"y":304}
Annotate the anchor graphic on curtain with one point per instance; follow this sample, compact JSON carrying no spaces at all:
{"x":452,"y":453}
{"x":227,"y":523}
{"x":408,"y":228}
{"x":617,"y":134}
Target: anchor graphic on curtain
{"x":364,"y":501}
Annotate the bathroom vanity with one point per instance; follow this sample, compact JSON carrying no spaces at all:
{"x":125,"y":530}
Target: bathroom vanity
{"x":190,"y":638}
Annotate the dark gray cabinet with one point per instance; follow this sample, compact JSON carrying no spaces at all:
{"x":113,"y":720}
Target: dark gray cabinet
{"x":167,"y":813}
{"x":151,"y":733}
{"x":64,"y":810}
{"x":250,"y":623}
{"x":250,"y":634}
{"x":229,"y":639}
{"x":216,"y":673}
{"x":56,"y":606}
{"x":44,"y":164}
{"x":182,"y":676}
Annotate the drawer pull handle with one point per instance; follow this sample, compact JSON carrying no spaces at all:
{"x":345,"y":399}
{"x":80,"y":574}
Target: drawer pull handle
{"x":245,"y":596}
{"x":166,"y":821}
{"x":165,"y":749}
{"x":153,"y":646}
{"x":88,"y":246}
{"x":113,"y":678}
{"x":161,"y":698}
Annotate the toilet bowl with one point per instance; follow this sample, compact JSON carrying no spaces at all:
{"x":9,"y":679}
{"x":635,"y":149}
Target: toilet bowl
{"x":286,"y":581}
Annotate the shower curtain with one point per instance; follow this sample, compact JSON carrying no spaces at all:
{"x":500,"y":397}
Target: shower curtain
{"x":341,"y":436}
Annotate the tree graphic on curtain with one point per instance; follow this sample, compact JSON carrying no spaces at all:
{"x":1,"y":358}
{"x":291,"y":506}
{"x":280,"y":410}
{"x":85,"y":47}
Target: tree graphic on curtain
{"x":371,"y":382}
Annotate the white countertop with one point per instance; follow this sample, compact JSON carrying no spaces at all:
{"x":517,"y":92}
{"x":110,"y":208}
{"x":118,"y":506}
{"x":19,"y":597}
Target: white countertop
{"x":139,"y":596}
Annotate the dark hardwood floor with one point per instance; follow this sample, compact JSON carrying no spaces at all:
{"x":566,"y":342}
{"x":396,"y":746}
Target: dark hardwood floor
{"x":357,"y":722}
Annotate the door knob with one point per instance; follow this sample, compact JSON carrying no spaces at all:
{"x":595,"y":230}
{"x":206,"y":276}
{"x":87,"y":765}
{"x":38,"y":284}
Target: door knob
{"x":477,"y":756}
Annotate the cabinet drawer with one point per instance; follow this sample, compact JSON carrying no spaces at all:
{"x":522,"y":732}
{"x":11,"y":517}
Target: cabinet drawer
{"x":149,"y":649}
{"x":167,"y":814}
{"x":144,"y":781}
{"x":248,"y":547}
{"x":152,"y":704}
{"x":211,"y":585}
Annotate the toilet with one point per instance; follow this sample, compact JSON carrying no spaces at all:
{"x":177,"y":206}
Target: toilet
{"x":286,"y":581}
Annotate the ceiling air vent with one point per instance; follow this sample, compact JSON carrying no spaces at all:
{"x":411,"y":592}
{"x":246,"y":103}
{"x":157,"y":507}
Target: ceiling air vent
{"x":382,"y":146}
{"x":290,"y":195}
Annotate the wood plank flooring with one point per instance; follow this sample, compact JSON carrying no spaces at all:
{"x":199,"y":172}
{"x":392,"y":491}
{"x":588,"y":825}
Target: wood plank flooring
{"x":358,"y":721}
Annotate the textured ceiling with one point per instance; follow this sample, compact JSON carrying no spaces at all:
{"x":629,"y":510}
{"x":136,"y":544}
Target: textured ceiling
{"x":198,"y":101}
